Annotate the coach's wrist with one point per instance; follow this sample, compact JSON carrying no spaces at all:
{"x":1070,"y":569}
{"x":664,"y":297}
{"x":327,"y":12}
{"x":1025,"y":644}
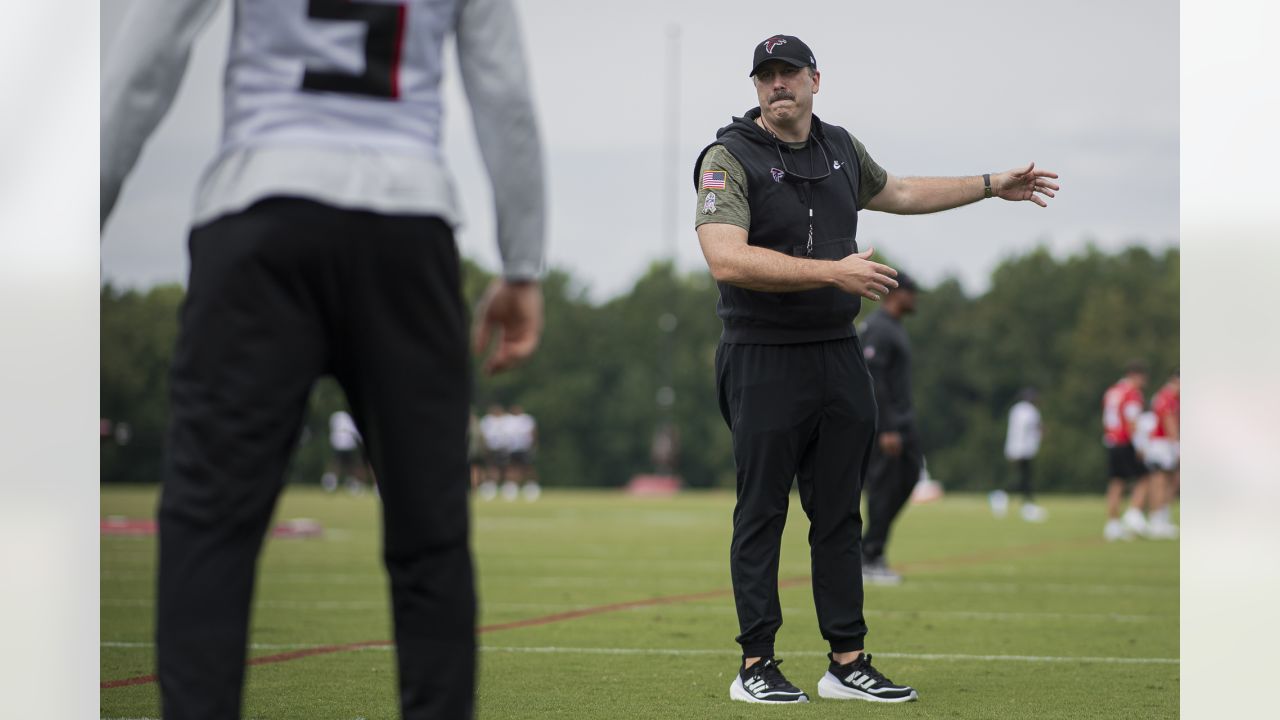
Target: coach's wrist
{"x":521,"y":282}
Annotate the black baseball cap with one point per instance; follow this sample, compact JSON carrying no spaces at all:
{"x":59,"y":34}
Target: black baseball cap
{"x":787,"y":48}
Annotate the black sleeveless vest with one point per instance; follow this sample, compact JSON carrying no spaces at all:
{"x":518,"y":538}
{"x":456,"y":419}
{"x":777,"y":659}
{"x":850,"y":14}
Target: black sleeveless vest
{"x":780,"y":219}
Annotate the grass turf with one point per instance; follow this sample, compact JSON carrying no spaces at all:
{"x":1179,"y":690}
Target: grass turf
{"x":996,"y":619}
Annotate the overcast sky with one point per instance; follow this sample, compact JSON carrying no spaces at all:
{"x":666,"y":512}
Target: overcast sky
{"x":1088,"y":89}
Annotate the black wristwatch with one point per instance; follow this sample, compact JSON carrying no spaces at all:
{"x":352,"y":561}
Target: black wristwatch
{"x":986,"y":182}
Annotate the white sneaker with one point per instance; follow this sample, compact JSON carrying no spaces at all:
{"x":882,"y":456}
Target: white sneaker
{"x":765,"y":683}
{"x":488,"y":490}
{"x":532,"y":491}
{"x":1162,"y":530}
{"x":1116,"y":530}
{"x":879,"y":573}
{"x":1034,"y":513}
{"x":1135,"y":522}
{"x":999,"y":503}
{"x":510,"y":490}
{"x":860,"y":681}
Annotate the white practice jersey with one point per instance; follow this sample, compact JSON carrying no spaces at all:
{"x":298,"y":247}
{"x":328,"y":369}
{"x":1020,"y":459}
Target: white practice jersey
{"x":1022,"y":440}
{"x":520,"y":431}
{"x":338,"y":101}
{"x":343,"y":434}
{"x":1142,"y":429}
{"x":493,"y":430}
{"x":337,"y":74}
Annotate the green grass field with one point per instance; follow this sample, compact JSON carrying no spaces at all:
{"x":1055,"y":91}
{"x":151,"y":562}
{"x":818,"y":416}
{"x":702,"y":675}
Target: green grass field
{"x":996,"y":619}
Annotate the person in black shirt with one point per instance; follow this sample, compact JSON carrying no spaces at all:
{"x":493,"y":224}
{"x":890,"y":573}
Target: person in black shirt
{"x":895,"y":457}
{"x":778,"y":198}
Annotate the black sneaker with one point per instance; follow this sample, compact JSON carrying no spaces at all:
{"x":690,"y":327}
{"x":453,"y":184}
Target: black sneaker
{"x":764,"y":683}
{"x":859,"y":681}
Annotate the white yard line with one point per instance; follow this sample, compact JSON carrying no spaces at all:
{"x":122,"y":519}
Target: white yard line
{"x":721,"y":607}
{"x":728,"y":652}
{"x":1004,"y":588}
{"x":912,"y":583}
{"x":253,"y":646}
{"x":691,"y":607}
{"x":275,"y":604}
{"x":810,"y":653}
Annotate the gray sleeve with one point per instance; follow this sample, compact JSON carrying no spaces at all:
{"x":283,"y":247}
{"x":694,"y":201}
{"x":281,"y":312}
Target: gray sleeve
{"x":139,"y":81}
{"x":491,"y":56}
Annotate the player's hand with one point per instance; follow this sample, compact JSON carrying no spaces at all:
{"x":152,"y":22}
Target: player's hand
{"x":1024,"y":183}
{"x":858,"y":275}
{"x":509,"y":317}
{"x":891,"y":443}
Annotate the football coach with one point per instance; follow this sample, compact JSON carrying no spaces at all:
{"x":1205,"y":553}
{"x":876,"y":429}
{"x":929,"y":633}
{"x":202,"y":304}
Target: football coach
{"x":777,"y":216}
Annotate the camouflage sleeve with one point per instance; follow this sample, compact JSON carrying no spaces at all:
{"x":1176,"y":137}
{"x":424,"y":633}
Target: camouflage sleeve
{"x":871,"y":177}
{"x":727,"y":205}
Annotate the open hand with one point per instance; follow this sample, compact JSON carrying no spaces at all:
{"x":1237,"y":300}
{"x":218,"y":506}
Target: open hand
{"x":1024,"y":183}
{"x":858,"y":275}
{"x":510,"y":315}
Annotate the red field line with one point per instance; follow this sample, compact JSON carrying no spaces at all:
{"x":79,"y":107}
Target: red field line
{"x":598,"y":609}
{"x":265,"y":659}
{"x":972,"y":559}
{"x":139,"y":680}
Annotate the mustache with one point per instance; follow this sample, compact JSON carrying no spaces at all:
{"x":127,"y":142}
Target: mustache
{"x":782,"y":95}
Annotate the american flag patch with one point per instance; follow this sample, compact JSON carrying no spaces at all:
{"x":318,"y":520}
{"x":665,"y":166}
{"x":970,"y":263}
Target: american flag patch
{"x":713,"y":180}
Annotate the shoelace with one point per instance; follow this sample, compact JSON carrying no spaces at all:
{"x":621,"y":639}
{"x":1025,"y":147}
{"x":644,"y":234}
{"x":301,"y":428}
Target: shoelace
{"x":771,"y":674}
{"x":864,"y":664}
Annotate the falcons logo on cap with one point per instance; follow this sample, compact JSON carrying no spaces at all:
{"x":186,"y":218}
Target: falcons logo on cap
{"x":774,"y":42}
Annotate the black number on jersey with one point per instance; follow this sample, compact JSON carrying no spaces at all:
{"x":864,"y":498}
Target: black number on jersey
{"x":381,"y":48}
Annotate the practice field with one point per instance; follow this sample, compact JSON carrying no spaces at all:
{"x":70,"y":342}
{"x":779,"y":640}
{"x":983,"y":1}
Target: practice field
{"x":598,"y":605}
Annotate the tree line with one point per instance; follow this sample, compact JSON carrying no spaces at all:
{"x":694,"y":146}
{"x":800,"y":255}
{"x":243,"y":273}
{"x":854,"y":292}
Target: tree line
{"x":609,"y":374}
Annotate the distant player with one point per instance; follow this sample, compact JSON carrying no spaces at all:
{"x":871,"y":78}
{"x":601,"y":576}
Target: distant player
{"x":896,"y":455}
{"x":522,"y":440}
{"x":1121,"y":406}
{"x":347,"y":465}
{"x":475,"y":451}
{"x":1162,"y":456}
{"x":1021,"y":444}
{"x":497,"y":453}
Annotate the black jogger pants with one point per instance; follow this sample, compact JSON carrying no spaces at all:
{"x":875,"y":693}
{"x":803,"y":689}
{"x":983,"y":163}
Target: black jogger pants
{"x":279,"y":295}
{"x":803,"y":411}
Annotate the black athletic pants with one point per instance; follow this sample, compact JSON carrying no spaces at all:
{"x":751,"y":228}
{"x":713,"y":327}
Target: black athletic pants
{"x":890,"y":480}
{"x":1024,"y":478}
{"x":279,"y":295}
{"x":806,"y":412}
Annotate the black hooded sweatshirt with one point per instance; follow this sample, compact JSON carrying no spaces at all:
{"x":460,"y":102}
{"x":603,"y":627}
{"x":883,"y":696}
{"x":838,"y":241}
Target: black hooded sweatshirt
{"x":782,"y":213}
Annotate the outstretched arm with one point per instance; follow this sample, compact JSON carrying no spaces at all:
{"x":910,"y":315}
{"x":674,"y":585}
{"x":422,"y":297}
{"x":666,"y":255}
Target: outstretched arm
{"x":733,"y":261}
{"x":139,"y":80}
{"x":919,"y":195}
